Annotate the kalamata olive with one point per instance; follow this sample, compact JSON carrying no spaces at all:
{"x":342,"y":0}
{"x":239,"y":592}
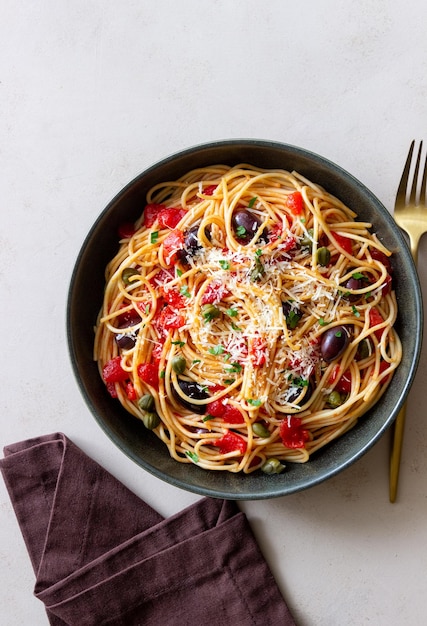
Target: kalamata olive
{"x":291,"y":313}
{"x":195,"y":391}
{"x":125,"y":341}
{"x":300,"y":394}
{"x":245,"y":224}
{"x":353,"y":284}
{"x":191,"y":243}
{"x":333,"y":342}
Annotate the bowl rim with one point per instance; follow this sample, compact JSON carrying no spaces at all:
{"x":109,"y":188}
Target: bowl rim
{"x":242,"y":494}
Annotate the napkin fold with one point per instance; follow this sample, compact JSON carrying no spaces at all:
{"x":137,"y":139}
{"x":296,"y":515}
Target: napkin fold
{"x":102,"y":556}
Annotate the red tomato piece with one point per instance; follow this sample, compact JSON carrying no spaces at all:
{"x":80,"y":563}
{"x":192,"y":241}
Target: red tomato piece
{"x":149,"y":373}
{"x":292,"y":434}
{"x":232,"y":415}
{"x":215,"y":408}
{"x":230,"y":442}
{"x":113,"y":371}
{"x":344,"y":242}
{"x":229,"y":413}
{"x":173,"y":243}
{"x":376,"y":318}
{"x":383,"y":366}
{"x":295,"y":203}
{"x":130,"y":391}
{"x":156,"y":353}
{"x":214,"y":293}
{"x":169,"y":218}
{"x":387,"y":285}
{"x":111,"y":388}
{"x":258,"y":351}
{"x":174,"y":298}
{"x":151,"y":213}
{"x":209,"y":190}
{"x":377,"y":255}
{"x":344,"y":383}
{"x":161,"y":278}
{"x":168,"y":319}
{"x":126,"y":230}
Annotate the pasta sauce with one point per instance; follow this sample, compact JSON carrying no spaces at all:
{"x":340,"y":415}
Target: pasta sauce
{"x":247,"y":318}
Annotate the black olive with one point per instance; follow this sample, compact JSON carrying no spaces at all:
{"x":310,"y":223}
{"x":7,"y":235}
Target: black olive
{"x":195,"y":391}
{"x":354,"y":284}
{"x":192,"y":243}
{"x":126,"y":341}
{"x":300,"y":394}
{"x":245,"y":225}
{"x":333,"y":343}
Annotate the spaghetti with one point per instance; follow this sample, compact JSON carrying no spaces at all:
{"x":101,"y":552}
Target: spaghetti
{"x":247,"y":318}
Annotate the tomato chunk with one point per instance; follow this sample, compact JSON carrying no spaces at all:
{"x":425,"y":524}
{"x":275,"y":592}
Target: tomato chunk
{"x":293,"y":435}
{"x":130,"y":391}
{"x":258,"y":351}
{"x":209,"y":190}
{"x":214,"y":293}
{"x":344,"y":242}
{"x":230,"y":442}
{"x":113,"y":372}
{"x":151,"y":213}
{"x":149,"y":373}
{"x":169,"y":218}
{"x":168,"y":319}
{"x":295,"y":203}
{"x":172,"y":245}
{"x":376,"y":318}
{"x":126,"y":230}
{"x":229,"y":413}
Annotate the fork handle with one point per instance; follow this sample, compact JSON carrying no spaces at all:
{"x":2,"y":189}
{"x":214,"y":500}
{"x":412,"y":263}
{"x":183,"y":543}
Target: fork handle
{"x":396,"y":452}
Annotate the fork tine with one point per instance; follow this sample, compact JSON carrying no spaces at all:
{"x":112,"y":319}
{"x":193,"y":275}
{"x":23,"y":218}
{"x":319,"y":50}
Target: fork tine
{"x":412,"y":197}
{"x":401,"y":190}
{"x":423,"y":197}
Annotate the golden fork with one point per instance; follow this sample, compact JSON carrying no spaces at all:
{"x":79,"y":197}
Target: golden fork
{"x":410,"y":213}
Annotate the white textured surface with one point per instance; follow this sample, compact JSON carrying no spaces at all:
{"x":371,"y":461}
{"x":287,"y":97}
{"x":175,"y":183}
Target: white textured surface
{"x":92,"y":92}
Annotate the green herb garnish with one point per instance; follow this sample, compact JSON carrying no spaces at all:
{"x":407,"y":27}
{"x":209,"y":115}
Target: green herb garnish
{"x":154,"y":236}
{"x":216,"y":349}
{"x":252,"y":201}
{"x":253,"y":402}
{"x":192,"y":455}
{"x":225,"y":265}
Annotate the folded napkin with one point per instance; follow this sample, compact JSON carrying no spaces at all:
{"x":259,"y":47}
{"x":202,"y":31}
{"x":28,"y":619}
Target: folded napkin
{"x":103,"y":556}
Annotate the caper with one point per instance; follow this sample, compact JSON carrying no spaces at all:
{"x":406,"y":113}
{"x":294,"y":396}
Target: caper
{"x":307,"y":240}
{"x":179,"y":364}
{"x":363,"y":350}
{"x":272,"y":466}
{"x":150,"y":420}
{"x":146,"y":402}
{"x":323,"y":256}
{"x":335,"y":399}
{"x":260,"y":430}
{"x":209,"y":312}
{"x":127,"y":274}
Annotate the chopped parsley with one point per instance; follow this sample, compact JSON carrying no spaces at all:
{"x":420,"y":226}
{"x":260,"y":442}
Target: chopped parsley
{"x":253,"y":402}
{"x":218,"y":349}
{"x":225,"y":265}
{"x":184,"y":291}
{"x":178,"y":343}
{"x":232,"y":312}
{"x":252,"y":201}
{"x":154,"y":236}
{"x":192,"y":455}
{"x":240,"y":231}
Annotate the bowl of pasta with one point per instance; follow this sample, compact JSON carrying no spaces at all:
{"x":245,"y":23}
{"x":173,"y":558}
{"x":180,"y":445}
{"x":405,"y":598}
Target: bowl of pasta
{"x":244,"y":319}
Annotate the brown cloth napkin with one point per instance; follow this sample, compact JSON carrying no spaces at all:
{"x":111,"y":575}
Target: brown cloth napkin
{"x":103,"y":556}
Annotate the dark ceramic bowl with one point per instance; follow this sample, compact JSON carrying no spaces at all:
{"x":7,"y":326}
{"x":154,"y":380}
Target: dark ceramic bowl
{"x":86,"y":293}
